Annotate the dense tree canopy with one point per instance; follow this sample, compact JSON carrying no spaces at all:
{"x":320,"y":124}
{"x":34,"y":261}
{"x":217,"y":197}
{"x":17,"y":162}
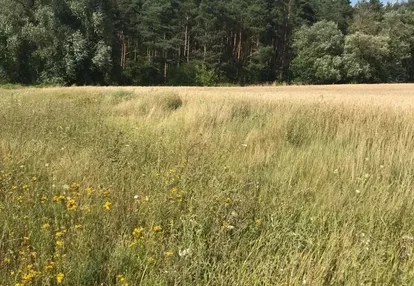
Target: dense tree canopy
{"x":204,"y":42}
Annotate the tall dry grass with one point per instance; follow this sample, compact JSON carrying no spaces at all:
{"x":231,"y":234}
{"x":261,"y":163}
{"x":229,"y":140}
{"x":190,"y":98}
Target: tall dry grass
{"x":185,"y":186}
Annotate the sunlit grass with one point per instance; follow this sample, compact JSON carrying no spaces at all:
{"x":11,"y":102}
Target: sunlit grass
{"x":186,"y":186}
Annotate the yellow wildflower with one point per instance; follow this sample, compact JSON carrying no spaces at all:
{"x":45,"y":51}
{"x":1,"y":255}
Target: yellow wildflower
{"x":60,"y":277}
{"x":29,"y":276}
{"x":34,"y":178}
{"x":151,"y":260}
{"x":157,"y":228}
{"x":227,"y":226}
{"x":106,"y":193}
{"x":60,"y":243}
{"x":19,"y":199}
{"x":74,"y":187}
{"x":89,"y":190}
{"x":169,"y":253}
{"x":78,"y":226}
{"x":137,"y":231}
{"x":258,"y":222}
{"x":107,"y":206}
{"x":50,"y":266}
{"x":59,"y":234}
{"x":59,"y":198}
{"x":133,"y":243}
{"x":121,"y":278}
{"x":71,"y":205}
{"x":43,"y":199}
{"x":174,"y":191}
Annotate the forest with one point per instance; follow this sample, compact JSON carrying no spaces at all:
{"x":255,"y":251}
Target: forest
{"x":205,"y":42}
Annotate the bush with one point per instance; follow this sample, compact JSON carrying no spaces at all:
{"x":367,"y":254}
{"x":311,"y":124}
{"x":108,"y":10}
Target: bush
{"x":184,"y":75}
{"x":137,"y":74}
{"x":319,"y":51}
{"x":205,"y":76}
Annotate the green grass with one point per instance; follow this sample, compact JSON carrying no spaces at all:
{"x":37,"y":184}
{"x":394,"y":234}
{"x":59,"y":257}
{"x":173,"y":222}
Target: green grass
{"x":219,"y":190}
{"x":10,"y":86}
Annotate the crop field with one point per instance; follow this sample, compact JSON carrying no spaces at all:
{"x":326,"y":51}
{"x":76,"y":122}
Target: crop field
{"x":207,"y":186}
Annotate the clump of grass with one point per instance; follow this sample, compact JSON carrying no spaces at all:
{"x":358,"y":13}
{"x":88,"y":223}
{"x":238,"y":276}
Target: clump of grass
{"x":171,"y":102}
{"x":10,"y":86}
{"x":150,"y":105}
{"x":241,"y":111}
{"x":300,"y":128}
{"x":122,"y":95}
{"x":162,"y":187}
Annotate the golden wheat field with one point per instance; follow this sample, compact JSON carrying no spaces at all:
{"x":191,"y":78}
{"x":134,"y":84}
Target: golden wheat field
{"x":207,"y":186}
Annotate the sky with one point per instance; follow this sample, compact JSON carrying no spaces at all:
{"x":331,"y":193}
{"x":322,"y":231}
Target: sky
{"x":383,"y":1}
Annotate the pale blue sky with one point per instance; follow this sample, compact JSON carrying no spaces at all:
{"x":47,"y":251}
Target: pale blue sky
{"x":383,"y":1}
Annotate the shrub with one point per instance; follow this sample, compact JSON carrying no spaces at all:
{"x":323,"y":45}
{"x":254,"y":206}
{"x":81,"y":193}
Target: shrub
{"x":205,"y":76}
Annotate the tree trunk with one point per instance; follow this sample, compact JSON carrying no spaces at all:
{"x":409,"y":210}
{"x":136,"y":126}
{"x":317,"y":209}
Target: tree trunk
{"x":239,"y":48}
{"x":136,"y":51}
{"x":188,"y":48}
{"x":205,"y":48}
{"x":185,"y":41}
{"x":123,"y":49}
{"x":165,"y":55}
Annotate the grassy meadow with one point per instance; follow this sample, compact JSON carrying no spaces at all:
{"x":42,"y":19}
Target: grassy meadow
{"x":207,"y":186}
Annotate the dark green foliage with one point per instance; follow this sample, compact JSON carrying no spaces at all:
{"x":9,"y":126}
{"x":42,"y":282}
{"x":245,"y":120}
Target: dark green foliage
{"x":203,"y":42}
{"x":339,"y":12}
{"x":205,"y":76}
{"x":319,"y":49}
{"x":183,"y":75}
{"x":145,"y":74}
{"x":367,"y":57}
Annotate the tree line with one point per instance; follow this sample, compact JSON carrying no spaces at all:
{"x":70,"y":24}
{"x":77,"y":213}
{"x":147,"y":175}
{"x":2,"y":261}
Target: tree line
{"x":205,"y":42}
